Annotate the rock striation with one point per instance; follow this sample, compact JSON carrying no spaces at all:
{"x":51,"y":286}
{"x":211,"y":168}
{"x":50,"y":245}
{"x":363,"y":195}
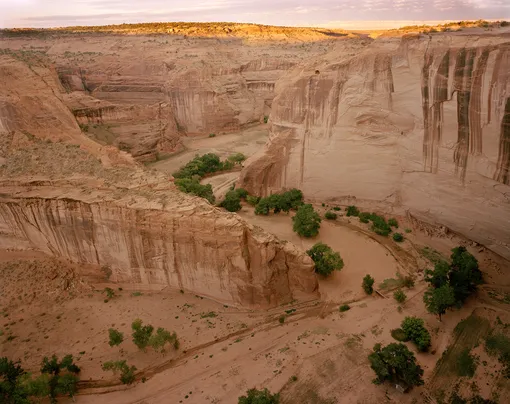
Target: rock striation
{"x":418,"y":123}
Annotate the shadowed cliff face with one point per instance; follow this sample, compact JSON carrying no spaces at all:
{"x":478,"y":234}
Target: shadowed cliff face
{"x":413,"y":123}
{"x":503,"y":171}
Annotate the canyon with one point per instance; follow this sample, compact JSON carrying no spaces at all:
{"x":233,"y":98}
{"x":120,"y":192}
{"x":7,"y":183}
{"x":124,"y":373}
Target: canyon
{"x":95,"y":120}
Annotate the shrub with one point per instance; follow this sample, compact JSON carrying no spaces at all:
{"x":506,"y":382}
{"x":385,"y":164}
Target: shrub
{"x":115,"y":337}
{"x":398,"y":237}
{"x":307,"y":221}
{"x":127,"y":373}
{"x":236,"y":158}
{"x":408,"y":281}
{"x":336,"y":208}
{"x":408,"y":230}
{"x":395,"y":363}
{"x":364,"y":217}
{"x":254,"y":396}
{"x":400,"y":296}
{"x":281,"y":319}
{"x":344,"y":307}
{"x":212,"y":134}
{"x":161,"y":338}
{"x":199,"y":166}
{"x":352,"y":211}
{"x":415,"y":331}
{"x":326,"y":260}
{"x":252,"y":200}
{"x":110,"y":293}
{"x":241,"y":193}
{"x":368,"y":284}
{"x":193,"y":186}
{"x":232,"y":201}
{"x":330,"y":215}
{"x":266,"y":118}
{"x":141,"y":334}
{"x":379,"y":225}
{"x":393,"y":222}
{"x":399,"y":334}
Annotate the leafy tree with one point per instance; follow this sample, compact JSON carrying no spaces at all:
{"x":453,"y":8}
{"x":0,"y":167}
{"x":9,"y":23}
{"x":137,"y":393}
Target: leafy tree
{"x":11,"y":389}
{"x":232,"y":201}
{"x":352,"y":211}
{"x":400,"y":296}
{"x":306,"y":221}
{"x":199,"y":166}
{"x":439,"y":275}
{"x":237,"y":158}
{"x":141,"y":333}
{"x":254,"y":396}
{"x":326,"y":260}
{"x":398,"y":237}
{"x":330,"y":215}
{"x":60,"y":383}
{"x":116,"y":337}
{"x":368,"y":283}
{"x":263,"y":207}
{"x":415,"y":331}
{"x":161,"y":338}
{"x":395,"y":363}
{"x":252,"y":200}
{"x":286,"y":201}
{"x":241,"y":193}
{"x":438,"y":300}
{"x":465,"y":276}
{"x":364,"y":217}
{"x":193,"y":186}
{"x":127,"y":373}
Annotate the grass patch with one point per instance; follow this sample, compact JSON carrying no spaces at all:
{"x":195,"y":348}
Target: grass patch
{"x":466,"y":363}
{"x":432,"y":255}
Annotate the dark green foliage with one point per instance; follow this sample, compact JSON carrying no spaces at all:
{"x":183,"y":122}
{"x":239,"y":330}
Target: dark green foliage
{"x":307,"y":221}
{"x":286,"y":201}
{"x":364,"y":217}
{"x":466,"y":364}
{"x":393,"y":222}
{"x":254,"y":396}
{"x":199,"y":166}
{"x":266,"y":118}
{"x":499,"y":344}
{"x":414,"y":330}
{"x":326,"y":260}
{"x":115,"y":337}
{"x":336,"y":208}
{"x":408,"y":281}
{"x":236,"y":158}
{"x":463,"y":276}
{"x":281,"y":319}
{"x":127,"y":373}
{"x":110,"y":293}
{"x":352,"y":211}
{"x":232,"y":201}
{"x":11,"y":389}
{"x":379,"y":225}
{"x":58,"y":382}
{"x":141,"y":333}
{"x":400,"y":296}
{"x":398,"y":237}
{"x":397,"y":364}
{"x":330,"y":215}
{"x":241,"y":193}
{"x":212,"y":134}
{"x":368,"y":284}
{"x":344,"y":307}
{"x":161,"y":338}
{"x":399,"y":334}
{"x":193,"y":186}
{"x":438,"y":300}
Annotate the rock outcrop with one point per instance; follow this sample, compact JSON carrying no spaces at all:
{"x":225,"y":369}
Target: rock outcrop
{"x":66,"y":195}
{"x":419,"y":123}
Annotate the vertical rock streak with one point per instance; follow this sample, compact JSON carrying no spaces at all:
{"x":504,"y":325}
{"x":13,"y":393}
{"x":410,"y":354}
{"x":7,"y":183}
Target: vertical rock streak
{"x":503,"y":165}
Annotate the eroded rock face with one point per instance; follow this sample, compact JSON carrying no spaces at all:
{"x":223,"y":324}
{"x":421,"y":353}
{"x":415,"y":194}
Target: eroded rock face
{"x":416,"y":123}
{"x":202,"y":250}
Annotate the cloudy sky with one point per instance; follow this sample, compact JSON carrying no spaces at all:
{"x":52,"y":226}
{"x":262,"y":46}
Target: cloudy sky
{"x":342,"y":13}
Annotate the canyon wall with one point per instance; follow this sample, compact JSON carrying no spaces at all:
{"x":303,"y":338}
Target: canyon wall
{"x":199,"y":249}
{"x":418,"y":124}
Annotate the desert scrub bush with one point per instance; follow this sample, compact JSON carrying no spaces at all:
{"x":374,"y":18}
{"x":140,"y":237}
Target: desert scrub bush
{"x":254,"y":396}
{"x":398,"y":237}
{"x":161,"y":338}
{"x":110,"y":293}
{"x":115,"y":337}
{"x":141,"y":334}
{"x":193,"y":186}
{"x":415,"y":331}
{"x":336,"y":208}
{"x":393,"y":222}
{"x":236,"y":158}
{"x":252,"y":200}
{"x":326,"y":260}
{"x":364,"y":217}
{"x":281,"y":319}
{"x":266,"y":118}
{"x":330,"y":215}
{"x":344,"y":307}
{"x":379,"y":225}
{"x":143,"y":337}
{"x":232,"y":201}
{"x":307,"y":221}
{"x":127,"y":373}
{"x":352,"y":211}
{"x":368,"y":284}
{"x":399,"y":334}
{"x":400,"y":296}
{"x":212,"y":134}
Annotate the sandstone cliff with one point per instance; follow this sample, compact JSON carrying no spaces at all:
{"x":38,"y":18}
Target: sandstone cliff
{"x":62,"y":193}
{"x":419,"y":123}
